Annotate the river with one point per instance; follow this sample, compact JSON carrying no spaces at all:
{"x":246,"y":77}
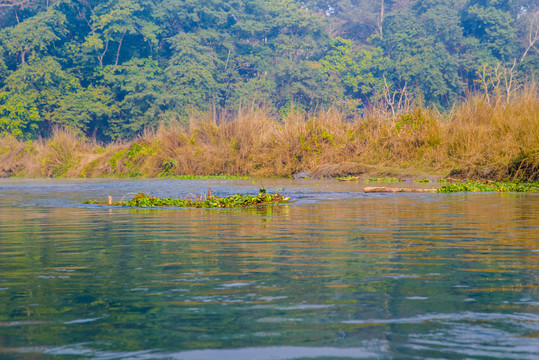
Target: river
{"x":338,"y":274}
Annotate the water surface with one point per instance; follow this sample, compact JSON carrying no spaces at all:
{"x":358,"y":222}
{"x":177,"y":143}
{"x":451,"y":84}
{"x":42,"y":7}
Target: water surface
{"x":338,"y":274}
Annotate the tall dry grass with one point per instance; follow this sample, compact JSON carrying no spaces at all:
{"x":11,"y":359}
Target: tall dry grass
{"x":495,"y":137}
{"x":479,"y":137}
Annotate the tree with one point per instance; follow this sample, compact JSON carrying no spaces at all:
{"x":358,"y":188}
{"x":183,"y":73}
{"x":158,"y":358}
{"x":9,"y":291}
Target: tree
{"x":220,"y":47}
{"x":492,"y":23}
{"x":138,"y":88}
{"x":3,"y":68}
{"x":87,"y":111}
{"x":112,"y":20}
{"x":425,"y":54}
{"x":361,"y":71}
{"x":354,"y":19}
{"x":18,"y":116}
{"x":40,"y":95}
{"x":37,"y":33}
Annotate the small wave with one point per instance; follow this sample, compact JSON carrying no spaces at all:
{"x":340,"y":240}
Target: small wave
{"x":468,"y":316}
{"x":259,"y":353}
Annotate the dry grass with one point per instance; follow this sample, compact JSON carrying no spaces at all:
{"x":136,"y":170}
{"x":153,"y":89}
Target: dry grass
{"x":17,"y":158}
{"x":500,"y":140}
{"x":493,"y":137}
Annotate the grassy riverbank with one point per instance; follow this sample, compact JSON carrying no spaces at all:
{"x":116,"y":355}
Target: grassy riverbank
{"x":475,"y":140}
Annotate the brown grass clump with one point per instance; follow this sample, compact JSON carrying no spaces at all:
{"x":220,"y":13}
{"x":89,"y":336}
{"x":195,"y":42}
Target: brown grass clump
{"x":17,"y":158}
{"x":409,"y":139}
{"x":63,"y":154}
{"x":490,"y":140}
{"x":477,"y":139}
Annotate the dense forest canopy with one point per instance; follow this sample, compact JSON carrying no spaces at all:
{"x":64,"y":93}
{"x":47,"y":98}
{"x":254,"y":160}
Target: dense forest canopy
{"x":111,"y":68}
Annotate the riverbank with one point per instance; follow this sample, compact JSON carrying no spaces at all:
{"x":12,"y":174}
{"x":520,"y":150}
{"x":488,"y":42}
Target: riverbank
{"x":476,"y":140}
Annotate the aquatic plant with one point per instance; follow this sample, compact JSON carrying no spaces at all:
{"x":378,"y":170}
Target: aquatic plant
{"x":422,"y":180}
{"x":489,"y":186}
{"x":347,"y":178}
{"x":195,"y":177}
{"x":384,"y":180}
{"x":202,"y":201}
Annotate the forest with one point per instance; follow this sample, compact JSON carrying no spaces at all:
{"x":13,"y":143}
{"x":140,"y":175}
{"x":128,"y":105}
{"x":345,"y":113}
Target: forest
{"x":111,"y":69}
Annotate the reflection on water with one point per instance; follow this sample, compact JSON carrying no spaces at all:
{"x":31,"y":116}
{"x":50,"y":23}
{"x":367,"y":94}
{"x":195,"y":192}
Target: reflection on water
{"x":357,"y":276}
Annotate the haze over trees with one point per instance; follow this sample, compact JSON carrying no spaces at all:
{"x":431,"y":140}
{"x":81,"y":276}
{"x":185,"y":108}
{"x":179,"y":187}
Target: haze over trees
{"x":111,"y":68}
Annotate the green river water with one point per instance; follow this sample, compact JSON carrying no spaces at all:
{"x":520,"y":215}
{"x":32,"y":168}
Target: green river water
{"x":338,"y":274}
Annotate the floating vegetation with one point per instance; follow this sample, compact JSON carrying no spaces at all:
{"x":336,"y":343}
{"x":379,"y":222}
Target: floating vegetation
{"x":423,"y":180}
{"x":384,"y":180}
{"x":396,"y":190}
{"x":347,"y":178}
{"x":195,"y":177}
{"x":490,"y":186}
{"x":203,"y":201}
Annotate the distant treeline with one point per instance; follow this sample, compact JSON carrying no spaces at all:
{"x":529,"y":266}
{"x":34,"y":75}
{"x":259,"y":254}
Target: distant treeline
{"x":109,"y":69}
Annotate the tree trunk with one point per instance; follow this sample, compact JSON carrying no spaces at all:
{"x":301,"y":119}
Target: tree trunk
{"x":23,"y":56}
{"x":119,"y":47}
{"x":100,"y":57}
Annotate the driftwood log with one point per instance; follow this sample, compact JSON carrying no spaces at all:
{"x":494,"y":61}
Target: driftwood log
{"x":395,"y":190}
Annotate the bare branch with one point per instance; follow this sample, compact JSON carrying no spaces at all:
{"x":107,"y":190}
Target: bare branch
{"x":119,"y":48}
{"x":381,"y":20}
{"x":533,"y":33}
{"x":508,"y":76}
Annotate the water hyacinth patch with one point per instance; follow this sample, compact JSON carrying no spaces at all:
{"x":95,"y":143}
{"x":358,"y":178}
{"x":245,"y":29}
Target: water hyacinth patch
{"x":347,"y":178}
{"x":476,"y":186}
{"x":203,"y":201}
{"x":213,"y":177}
{"x":384,"y":180}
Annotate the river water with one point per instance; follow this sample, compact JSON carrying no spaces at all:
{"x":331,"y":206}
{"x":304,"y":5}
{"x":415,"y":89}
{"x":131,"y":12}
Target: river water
{"x":338,"y":274}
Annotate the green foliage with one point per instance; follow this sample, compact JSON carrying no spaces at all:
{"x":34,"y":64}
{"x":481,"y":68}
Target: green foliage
{"x":37,"y":33}
{"x":347,"y":178}
{"x":203,"y":201}
{"x":138,"y":88}
{"x":168,"y":167}
{"x":423,"y":61}
{"x":87,"y":109}
{"x":475,"y":186}
{"x":365,"y":78}
{"x":196,"y":177}
{"x":492,"y":23}
{"x":115,"y":158}
{"x":3,"y":68}
{"x":383,"y":180}
{"x":18,"y":116}
{"x":40,"y":95}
